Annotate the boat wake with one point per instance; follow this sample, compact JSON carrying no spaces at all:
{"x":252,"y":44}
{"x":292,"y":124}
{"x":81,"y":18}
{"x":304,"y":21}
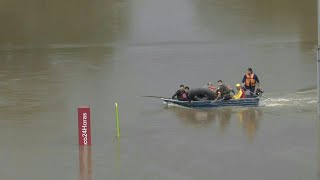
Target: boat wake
{"x":176,"y":105}
{"x":297,"y":99}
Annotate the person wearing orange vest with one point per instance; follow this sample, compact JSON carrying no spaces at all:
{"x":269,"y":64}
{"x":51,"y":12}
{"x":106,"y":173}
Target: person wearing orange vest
{"x":250,"y":81}
{"x":240,"y":94}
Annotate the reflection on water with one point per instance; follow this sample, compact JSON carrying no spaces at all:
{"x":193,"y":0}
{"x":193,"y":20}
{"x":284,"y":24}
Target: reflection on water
{"x":195,"y":117}
{"x":85,"y":163}
{"x":224,"y":117}
{"x":248,"y":118}
{"x":118,"y":159}
{"x":318,"y":145}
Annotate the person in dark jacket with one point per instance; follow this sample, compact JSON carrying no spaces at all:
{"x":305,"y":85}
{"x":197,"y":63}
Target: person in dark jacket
{"x":179,"y":92}
{"x":184,"y":96}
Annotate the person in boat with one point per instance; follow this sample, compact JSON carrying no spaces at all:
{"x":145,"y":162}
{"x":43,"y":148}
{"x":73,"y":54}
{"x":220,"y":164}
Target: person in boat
{"x":223,"y":92}
{"x":251,"y":82}
{"x":179,"y":93}
{"x":211,"y":86}
{"x":231,"y":90}
{"x":241,"y":93}
{"x":184,"y":96}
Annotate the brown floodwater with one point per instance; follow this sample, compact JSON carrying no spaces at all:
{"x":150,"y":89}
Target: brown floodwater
{"x":58,"y":55}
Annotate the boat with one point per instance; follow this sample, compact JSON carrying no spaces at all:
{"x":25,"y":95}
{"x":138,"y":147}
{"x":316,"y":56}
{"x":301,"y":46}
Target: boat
{"x":244,"y":102}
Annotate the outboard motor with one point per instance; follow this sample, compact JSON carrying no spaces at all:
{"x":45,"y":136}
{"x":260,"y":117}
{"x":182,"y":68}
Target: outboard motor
{"x":259,"y":92}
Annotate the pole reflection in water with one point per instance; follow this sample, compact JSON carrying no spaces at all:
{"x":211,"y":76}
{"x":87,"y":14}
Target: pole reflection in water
{"x":318,"y":141}
{"x":85,"y":165}
{"x":118,"y":162}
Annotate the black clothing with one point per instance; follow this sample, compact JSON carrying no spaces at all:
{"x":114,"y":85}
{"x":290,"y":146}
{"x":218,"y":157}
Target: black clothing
{"x":178,"y":94}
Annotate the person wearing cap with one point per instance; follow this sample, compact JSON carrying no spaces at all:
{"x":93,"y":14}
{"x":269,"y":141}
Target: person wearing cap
{"x":240,"y":94}
{"x":179,"y":92}
{"x":250,"y":81}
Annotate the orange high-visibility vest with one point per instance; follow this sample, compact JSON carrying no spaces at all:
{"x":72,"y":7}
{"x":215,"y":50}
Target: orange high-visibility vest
{"x":250,"y":81}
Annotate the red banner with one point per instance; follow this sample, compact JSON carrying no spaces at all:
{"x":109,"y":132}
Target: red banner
{"x":84,"y":128}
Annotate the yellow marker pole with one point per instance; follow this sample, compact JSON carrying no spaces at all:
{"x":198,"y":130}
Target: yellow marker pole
{"x":117,"y":120}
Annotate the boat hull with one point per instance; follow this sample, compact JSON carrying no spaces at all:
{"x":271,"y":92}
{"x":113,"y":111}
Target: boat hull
{"x":245,"y":102}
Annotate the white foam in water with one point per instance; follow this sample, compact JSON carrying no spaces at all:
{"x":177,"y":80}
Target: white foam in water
{"x":274,"y":104}
{"x":313,"y":101}
{"x":175,"y":105}
{"x":290,"y":100}
{"x":280,"y":100}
